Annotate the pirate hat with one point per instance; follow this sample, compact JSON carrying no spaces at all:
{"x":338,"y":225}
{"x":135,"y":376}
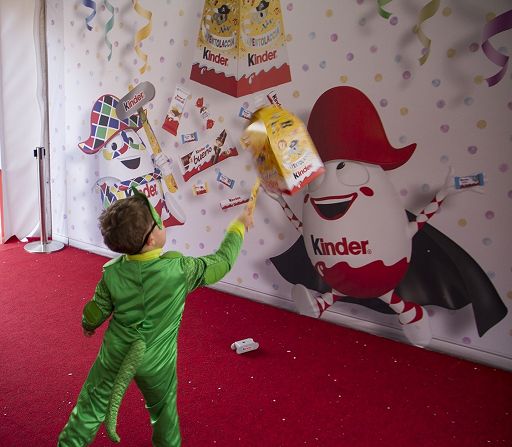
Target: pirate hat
{"x":105,"y":124}
{"x":224,"y":9}
{"x":344,"y":125}
{"x":262,"y":5}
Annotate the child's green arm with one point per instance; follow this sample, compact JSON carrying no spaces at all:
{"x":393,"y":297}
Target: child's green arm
{"x":98,"y":309}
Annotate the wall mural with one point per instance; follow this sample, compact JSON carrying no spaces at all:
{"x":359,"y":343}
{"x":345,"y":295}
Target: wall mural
{"x":359,"y":244}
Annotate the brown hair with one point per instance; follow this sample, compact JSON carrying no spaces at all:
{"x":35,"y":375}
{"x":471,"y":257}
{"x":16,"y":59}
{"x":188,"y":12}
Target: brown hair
{"x":125,"y":224}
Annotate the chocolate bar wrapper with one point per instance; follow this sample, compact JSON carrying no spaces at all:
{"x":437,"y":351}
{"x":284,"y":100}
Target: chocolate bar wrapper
{"x":173,"y":117}
{"x":203,"y":158}
{"x":200,"y":188}
{"x":469,"y":181}
{"x":188,"y":137}
{"x":225,"y":180}
{"x":234,"y":201}
{"x":241,"y":47}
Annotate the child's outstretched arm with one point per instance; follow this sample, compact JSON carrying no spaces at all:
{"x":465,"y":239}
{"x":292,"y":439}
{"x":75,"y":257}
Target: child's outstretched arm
{"x":212,"y":268}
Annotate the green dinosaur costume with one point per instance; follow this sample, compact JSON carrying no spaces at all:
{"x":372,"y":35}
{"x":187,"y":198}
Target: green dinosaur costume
{"x":145,"y":293}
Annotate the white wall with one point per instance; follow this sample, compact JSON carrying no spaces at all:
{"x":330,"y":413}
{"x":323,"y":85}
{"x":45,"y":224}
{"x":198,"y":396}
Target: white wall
{"x":413,"y":101}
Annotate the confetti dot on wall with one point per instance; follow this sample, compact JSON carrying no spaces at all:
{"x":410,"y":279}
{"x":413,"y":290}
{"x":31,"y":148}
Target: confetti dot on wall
{"x":181,"y":13}
{"x":378,"y":77}
{"x":201,"y":245}
{"x":509,"y":294}
{"x":255,"y":276}
{"x":489,"y":16}
{"x":478,"y":79}
{"x":312,"y":35}
{"x":373,"y":49}
{"x":334,"y":37}
{"x":462,"y":222}
{"x":468,"y":100}
{"x":305,"y":67}
{"x":328,"y":13}
{"x":289,"y":38}
{"x":171,"y":42}
{"x":503,"y":167}
{"x":289,"y":6}
{"x":425,"y":187}
{"x":451,"y":52}
{"x":203,"y":212}
{"x":343,"y":79}
{"x":404,"y":111}
{"x":445,"y":128}
{"x":398,"y":58}
{"x":402,"y":139}
{"x":323,"y":64}
{"x":466,"y":340}
{"x":383,"y":102}
{"x":509,"y":194}
{"x":487,"y":241}
{"x":481,"y":124}
{"x":436,"y":82}
{"x":187,"y":245}
{"x":447,"y":11}
{"x":406,"y":74}
{"x":489,"y":214}
{"x":350,"y":56}
{"x":296,"y":94}
{"x":403,"y":192}
{"x":280,"y":236}
{"x":239,"y":280}
{"x":444,"y":159}
{"x":473,"y":47}
{"x":185,"y":43}
{"x":393,"y":21}
{"x":440,"y":104}
{"x":208,"y":228}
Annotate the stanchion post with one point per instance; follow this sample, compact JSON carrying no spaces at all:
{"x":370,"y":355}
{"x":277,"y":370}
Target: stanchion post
{"x":44,"y":245}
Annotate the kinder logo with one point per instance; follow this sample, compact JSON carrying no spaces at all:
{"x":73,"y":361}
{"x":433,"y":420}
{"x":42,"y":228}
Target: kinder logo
{"x":212,"y":57}
{"x":255,"y":59}
{"x":128,"y":104}
{"x":300,"y":173}
{"x":150,"y":190}
{"x":340,"y":248}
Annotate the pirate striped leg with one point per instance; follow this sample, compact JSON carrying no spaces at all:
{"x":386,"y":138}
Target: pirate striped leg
{"x":312,"y":305}
{"x":412,"y":316}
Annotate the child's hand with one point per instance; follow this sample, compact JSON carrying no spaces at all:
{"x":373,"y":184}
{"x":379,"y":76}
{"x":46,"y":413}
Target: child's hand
{"x":88,"y":333}
{"x":246,"y":216}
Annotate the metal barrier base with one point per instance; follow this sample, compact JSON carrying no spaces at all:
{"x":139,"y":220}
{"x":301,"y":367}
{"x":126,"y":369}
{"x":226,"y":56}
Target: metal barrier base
{"x":48,"y":247}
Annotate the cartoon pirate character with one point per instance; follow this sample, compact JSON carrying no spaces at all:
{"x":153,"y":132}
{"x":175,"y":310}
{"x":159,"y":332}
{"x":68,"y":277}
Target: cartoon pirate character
{"x":126,"y":161}
{"x":355,"y":230}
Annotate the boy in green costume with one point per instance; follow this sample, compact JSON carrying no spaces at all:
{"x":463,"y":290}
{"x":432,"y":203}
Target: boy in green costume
{"x":144,"y":290}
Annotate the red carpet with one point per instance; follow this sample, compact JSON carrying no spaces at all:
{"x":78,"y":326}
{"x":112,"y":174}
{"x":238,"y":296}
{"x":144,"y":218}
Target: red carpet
{"x":310,"y":384}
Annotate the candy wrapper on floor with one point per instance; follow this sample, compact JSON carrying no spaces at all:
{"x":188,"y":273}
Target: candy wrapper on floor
{"x":241,"y":47}
{"x":285,"y":156}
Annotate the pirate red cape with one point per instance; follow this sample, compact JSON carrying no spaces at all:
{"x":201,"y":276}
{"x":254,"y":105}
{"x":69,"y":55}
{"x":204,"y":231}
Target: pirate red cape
{"x":430,"y":269}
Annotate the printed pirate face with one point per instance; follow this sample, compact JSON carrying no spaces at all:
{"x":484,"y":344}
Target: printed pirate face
{"x":126,"y":156}
{"x":355,"y":201}
{"x":219,"y":20}
{"x":126,"y":148}
{"x":262,"y":18}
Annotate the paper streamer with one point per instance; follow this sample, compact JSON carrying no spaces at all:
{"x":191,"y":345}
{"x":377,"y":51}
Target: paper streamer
{"x":383,"y":13}
{"x":108,"y":27}
{"x":426,"y":13}
{"x":89,"y":4}
{"x":143,"y":33}
{"x":497,"y":25}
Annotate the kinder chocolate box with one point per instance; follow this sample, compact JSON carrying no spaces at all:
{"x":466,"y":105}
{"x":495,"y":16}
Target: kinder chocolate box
{"x":285,"y":156}
{"x":241,"y":47}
